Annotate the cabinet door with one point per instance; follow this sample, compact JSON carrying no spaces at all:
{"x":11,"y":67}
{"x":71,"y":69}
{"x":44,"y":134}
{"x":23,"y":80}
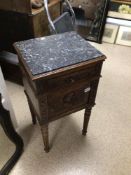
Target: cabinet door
{"x":67,"y":100}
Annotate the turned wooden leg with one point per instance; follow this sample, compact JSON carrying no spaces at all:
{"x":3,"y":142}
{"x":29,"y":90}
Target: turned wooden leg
{"x":34,"y":121}
{"x":44,"y":130}
{"x":86,"y":120}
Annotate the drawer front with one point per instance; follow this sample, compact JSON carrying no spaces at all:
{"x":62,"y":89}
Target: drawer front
{"x":74,"y":78}
{"x":67,"y":100}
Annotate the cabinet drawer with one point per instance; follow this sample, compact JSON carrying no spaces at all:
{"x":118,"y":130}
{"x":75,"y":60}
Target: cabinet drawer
{"x":67,"y":100}
{"x":74,"y":78}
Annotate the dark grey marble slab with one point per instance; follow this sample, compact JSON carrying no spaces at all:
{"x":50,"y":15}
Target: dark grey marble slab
{"x":56,"y":51}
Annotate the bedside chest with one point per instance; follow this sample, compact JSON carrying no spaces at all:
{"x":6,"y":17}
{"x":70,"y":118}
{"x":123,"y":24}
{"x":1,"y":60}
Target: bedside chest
{"x":60,"y":75}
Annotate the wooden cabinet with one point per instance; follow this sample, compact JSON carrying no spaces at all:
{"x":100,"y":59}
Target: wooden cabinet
{"x":63,"y":80}
{"x":18,"y":21}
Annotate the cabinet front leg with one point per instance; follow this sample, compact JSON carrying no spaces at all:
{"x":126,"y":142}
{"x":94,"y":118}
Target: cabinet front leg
{"x":45,"y":135}
{"x":86,"y":119}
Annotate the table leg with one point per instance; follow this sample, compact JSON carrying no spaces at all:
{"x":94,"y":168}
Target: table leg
{"x":34,"y":121}
{"x":44,"y":130}
{"x":86,"y":119}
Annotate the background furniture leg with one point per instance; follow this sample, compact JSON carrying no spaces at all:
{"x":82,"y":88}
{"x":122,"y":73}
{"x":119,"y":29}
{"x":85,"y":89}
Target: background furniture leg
{"x":10,"y":132}
{"x":34,"y":121}
{"x":44,"y":130}
{"x":86,"y":119}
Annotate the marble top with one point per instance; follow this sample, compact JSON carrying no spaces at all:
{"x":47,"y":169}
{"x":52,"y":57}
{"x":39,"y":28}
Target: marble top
{"x":56,"y":51}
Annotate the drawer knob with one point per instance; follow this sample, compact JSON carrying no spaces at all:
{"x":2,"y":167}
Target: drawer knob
{"x":87,"y":89}
{"x":70,"y":80}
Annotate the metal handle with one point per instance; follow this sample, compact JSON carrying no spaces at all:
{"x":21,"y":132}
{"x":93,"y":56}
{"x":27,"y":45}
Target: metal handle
{"x":71,"y":10}
{"x":49,"y":17}
{"x":87,"y":89}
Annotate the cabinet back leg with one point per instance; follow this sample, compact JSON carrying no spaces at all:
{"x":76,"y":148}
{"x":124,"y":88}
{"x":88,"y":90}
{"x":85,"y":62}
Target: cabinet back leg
{"x":86,"y":120}
{"x":45,"y":135}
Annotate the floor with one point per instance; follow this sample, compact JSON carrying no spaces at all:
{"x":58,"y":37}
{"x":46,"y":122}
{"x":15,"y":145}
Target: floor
{"x":106,"y":150}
